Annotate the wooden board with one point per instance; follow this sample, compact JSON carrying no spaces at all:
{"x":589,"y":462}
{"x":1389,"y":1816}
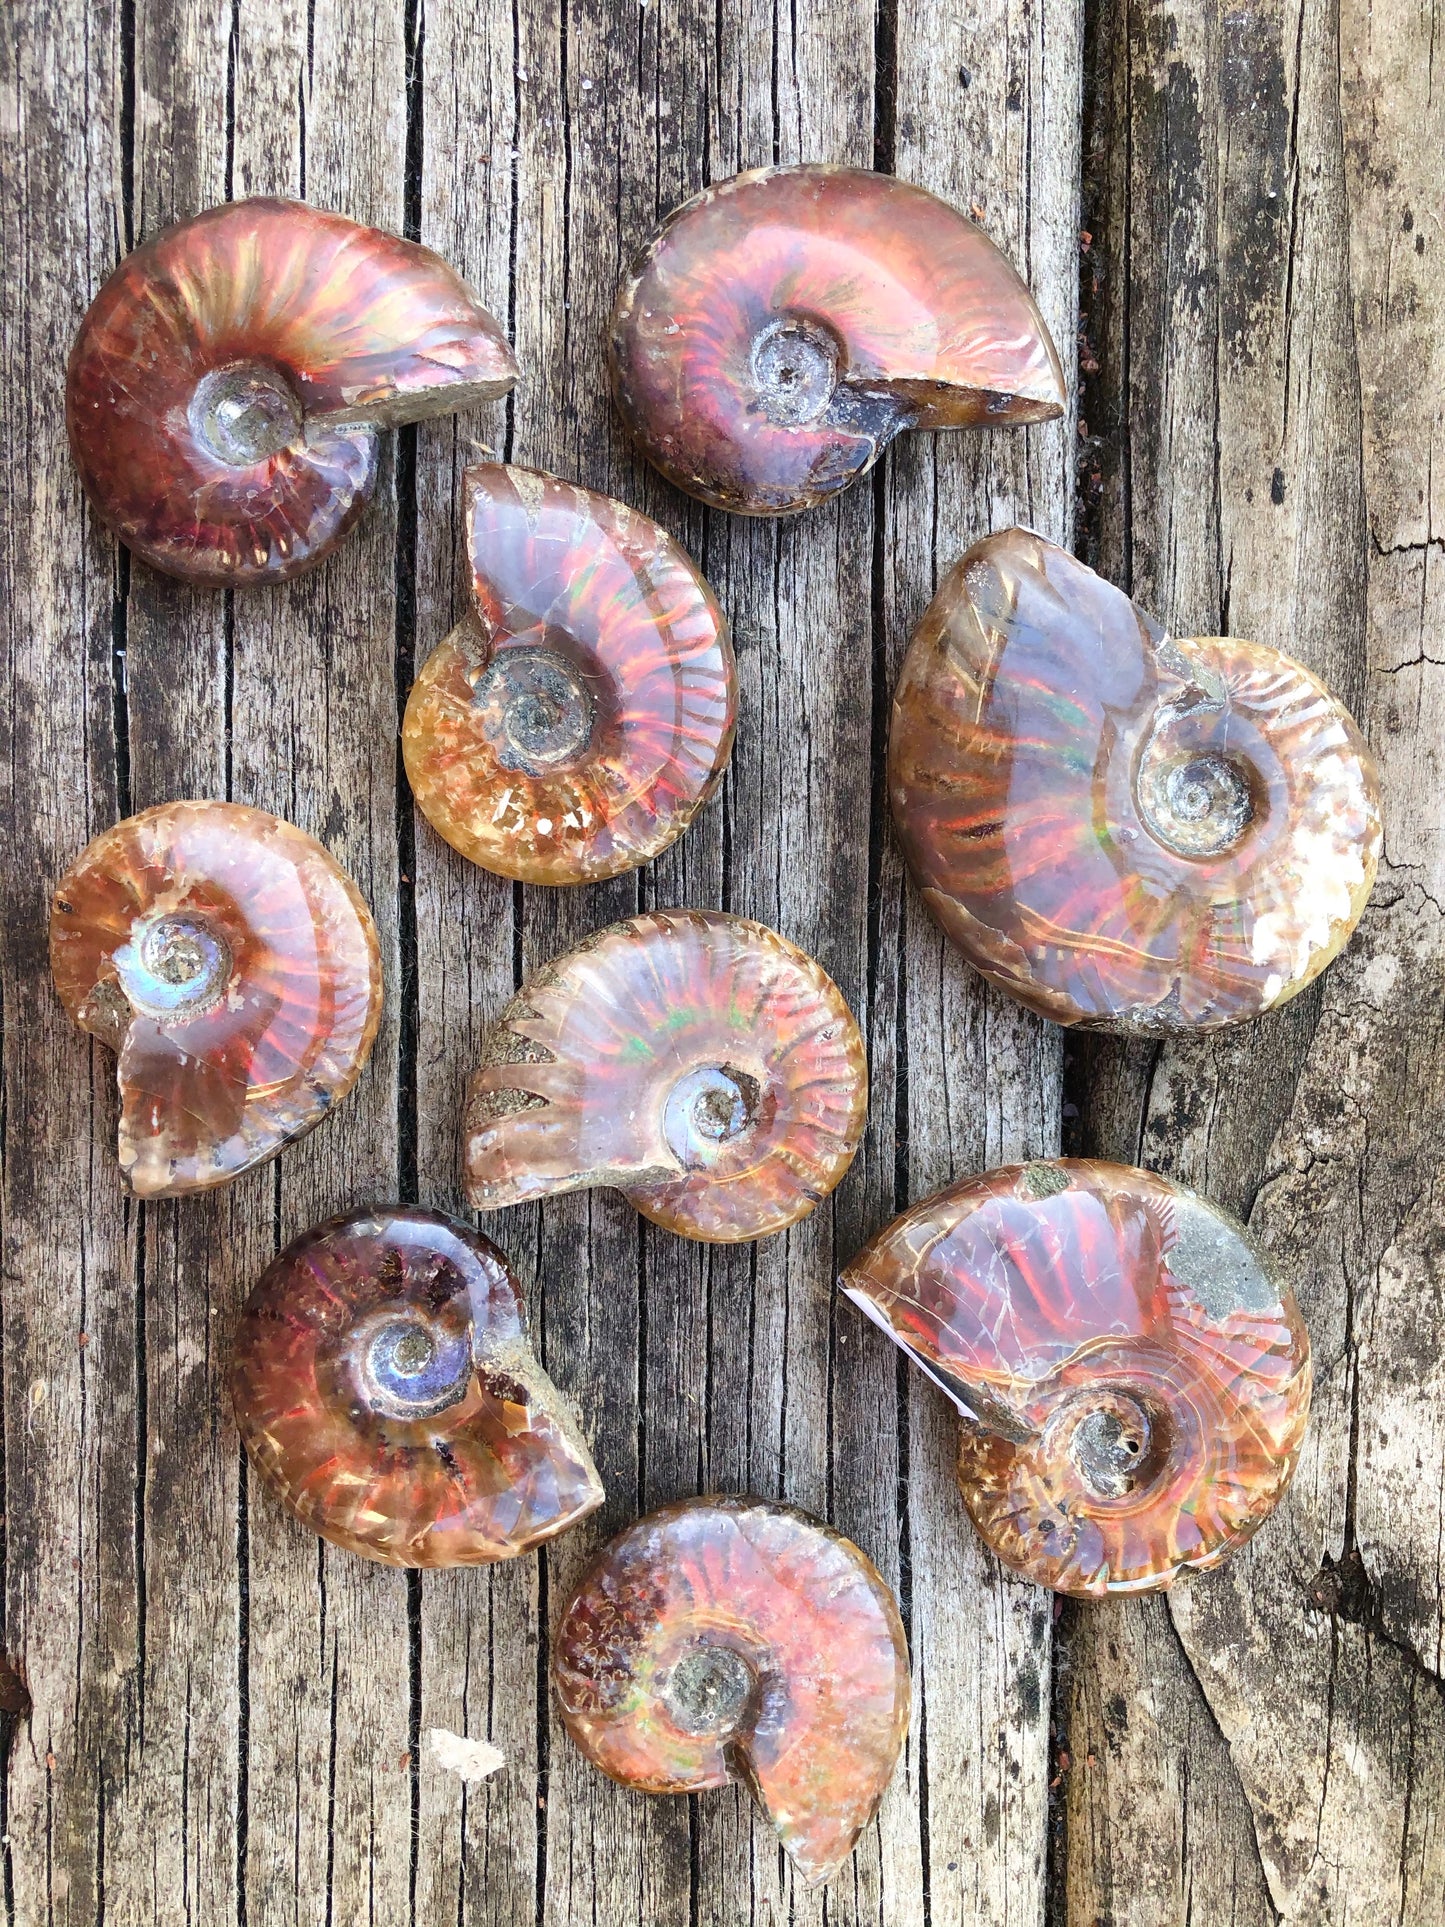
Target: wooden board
{"x":230,"y":1721}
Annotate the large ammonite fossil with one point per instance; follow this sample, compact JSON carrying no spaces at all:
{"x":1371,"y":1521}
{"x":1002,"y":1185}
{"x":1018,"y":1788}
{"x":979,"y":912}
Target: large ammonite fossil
{"x":229,"y":380}
{"x":1118,"y":827}
{"x":728,"y":1639}
{"x":573,"y":725}
{"x":385,"y":1390}
{"x":1134,"y":1380}
{"x":702,"y":1064}
{"x":784,"y":326}
{"x":233,"y":967}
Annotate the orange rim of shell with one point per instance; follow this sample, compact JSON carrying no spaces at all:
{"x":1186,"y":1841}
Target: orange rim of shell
{"x":698,"y":1062}
{"x":287,"y":997}
{"x":573,"y":727}
{"x":1133,"y":1378}
{"x":728,"y":1638}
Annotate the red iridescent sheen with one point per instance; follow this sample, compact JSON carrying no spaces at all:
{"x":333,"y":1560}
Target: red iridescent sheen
{"x":1120,"y":828}
{"x":1134,"y":1381}
{"x":573,"y":727}
{"x":386,"y":1393}
{"x":344,"y":329}
{"x":233,"y":966}
{"x":702,"y":1064}
{"x":785,"y":325}
{"x":726,"y":1639}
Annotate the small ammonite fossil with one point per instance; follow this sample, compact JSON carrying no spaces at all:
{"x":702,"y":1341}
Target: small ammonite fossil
{"x":572,"y":726}
{"x":228,"y":383}
{"x":700,"y":1063}
{"x":785,"y":325}
{"x":1120,"y":828}
{"x":385,"y":1390}
{"x":1133,"y":1377}
{"x":233,"y":967}
{"x":738,"y":1639}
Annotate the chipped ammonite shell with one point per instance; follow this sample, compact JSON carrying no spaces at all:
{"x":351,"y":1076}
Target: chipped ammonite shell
{"x":573,"y":725}
{"x":1134,"y":1379}
{"x":734,"y":1638}
{"x":785,"y":325}
{"x":1118,"y":827}
{"x":228,"y":382}
{"x":700,"y":1063}
{"x":233,"y":966}
{"x":385,"y":1390}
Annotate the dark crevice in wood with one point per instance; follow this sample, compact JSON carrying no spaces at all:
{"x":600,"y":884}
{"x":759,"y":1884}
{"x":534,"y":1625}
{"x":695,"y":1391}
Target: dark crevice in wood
{"x":243,"y":1684}
{"x":228,"y":687}
{"x":413,"y":1731}
{"x":127,"y":124}
{"x":142,"y":1438}
{"x":233,"y":47}
{"x":99,"y":1856}
{"x":642,"y":1309}
{"x":120,"y":683}
{"x":544,"y":1742}
{"x":330,"y":1793}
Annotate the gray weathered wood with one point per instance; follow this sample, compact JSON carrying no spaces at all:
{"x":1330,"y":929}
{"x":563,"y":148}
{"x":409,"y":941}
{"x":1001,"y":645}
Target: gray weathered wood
{"x":229,"y":1721}
{"x":1268,"y":404}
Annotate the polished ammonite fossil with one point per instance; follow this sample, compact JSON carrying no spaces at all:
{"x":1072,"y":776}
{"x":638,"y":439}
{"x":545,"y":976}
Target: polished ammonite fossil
{"x":386,"y":1392}
{"x":738,"y":1639}
{"x":1122,"y":828}
{"x":1133,"y":1376}
{"x":785,"y":325}
{"x":228,"y":383}
{"x":573,"y":724}
{"x":233,"y":967}
{"x":700,"y":1063}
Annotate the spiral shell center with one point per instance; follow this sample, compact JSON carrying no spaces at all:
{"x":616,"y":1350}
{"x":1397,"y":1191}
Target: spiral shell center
{"x":536,"y":710}
{"x":1115,"y":1442}
{"x":708,"y":1690}
{"x":1196,"y":802}
{"x":409,"y":1369}
{"x":794,"y":367}
{"x":245,"y":413}
{"x":174,"y":966}
{"x":708,"y":1108}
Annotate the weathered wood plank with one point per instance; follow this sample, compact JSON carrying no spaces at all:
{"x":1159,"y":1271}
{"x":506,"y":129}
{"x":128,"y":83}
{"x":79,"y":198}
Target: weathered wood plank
{"x":1264,"y":295}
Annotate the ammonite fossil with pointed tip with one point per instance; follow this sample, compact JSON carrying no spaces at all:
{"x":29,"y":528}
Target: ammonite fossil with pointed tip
{"x":784,"y":326}
{"x":573,"y":725}
{"x":1133,"y":1377}
{"x":732,"y":1638}
{"x":228,"y":382}
{"x":233,"y":967}
{"x":701,"y":1064}
{"x":1119,"y":828}
{"x":385,"y":1390}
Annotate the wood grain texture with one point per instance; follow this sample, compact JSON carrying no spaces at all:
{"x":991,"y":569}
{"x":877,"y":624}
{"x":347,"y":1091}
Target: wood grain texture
{"x":1265,"y":291}
{"x":230,"y":1721}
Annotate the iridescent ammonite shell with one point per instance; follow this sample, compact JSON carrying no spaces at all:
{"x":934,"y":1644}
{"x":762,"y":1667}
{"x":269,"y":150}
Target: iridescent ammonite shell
{"x":783,"y":327}
{"x":573,"y":726}
{"x":228,"y":381}
{"x":1134,"y":1379}
{"x":702,"y":1064}
{"x":1119,"y":828}
{"x":233,"y":967}
{"x":385,"y":1390}
{"x":737,"y":1639}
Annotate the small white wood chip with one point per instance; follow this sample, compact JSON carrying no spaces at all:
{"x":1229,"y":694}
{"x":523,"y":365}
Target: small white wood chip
{"x":473,"y":1760}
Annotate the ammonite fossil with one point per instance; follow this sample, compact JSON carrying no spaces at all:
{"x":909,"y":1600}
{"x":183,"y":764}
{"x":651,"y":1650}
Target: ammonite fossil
{"x":702,"y":1064}
{"x":385,"y":1390}
{"x":228,"y":382}
{"x":233,"y":967}
{"x":784,"y":326}
{"x":737,"y":1639}
{"x":1120,"y":828}
{"x":1134,"y":1379}
{"x":572,"y":726}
